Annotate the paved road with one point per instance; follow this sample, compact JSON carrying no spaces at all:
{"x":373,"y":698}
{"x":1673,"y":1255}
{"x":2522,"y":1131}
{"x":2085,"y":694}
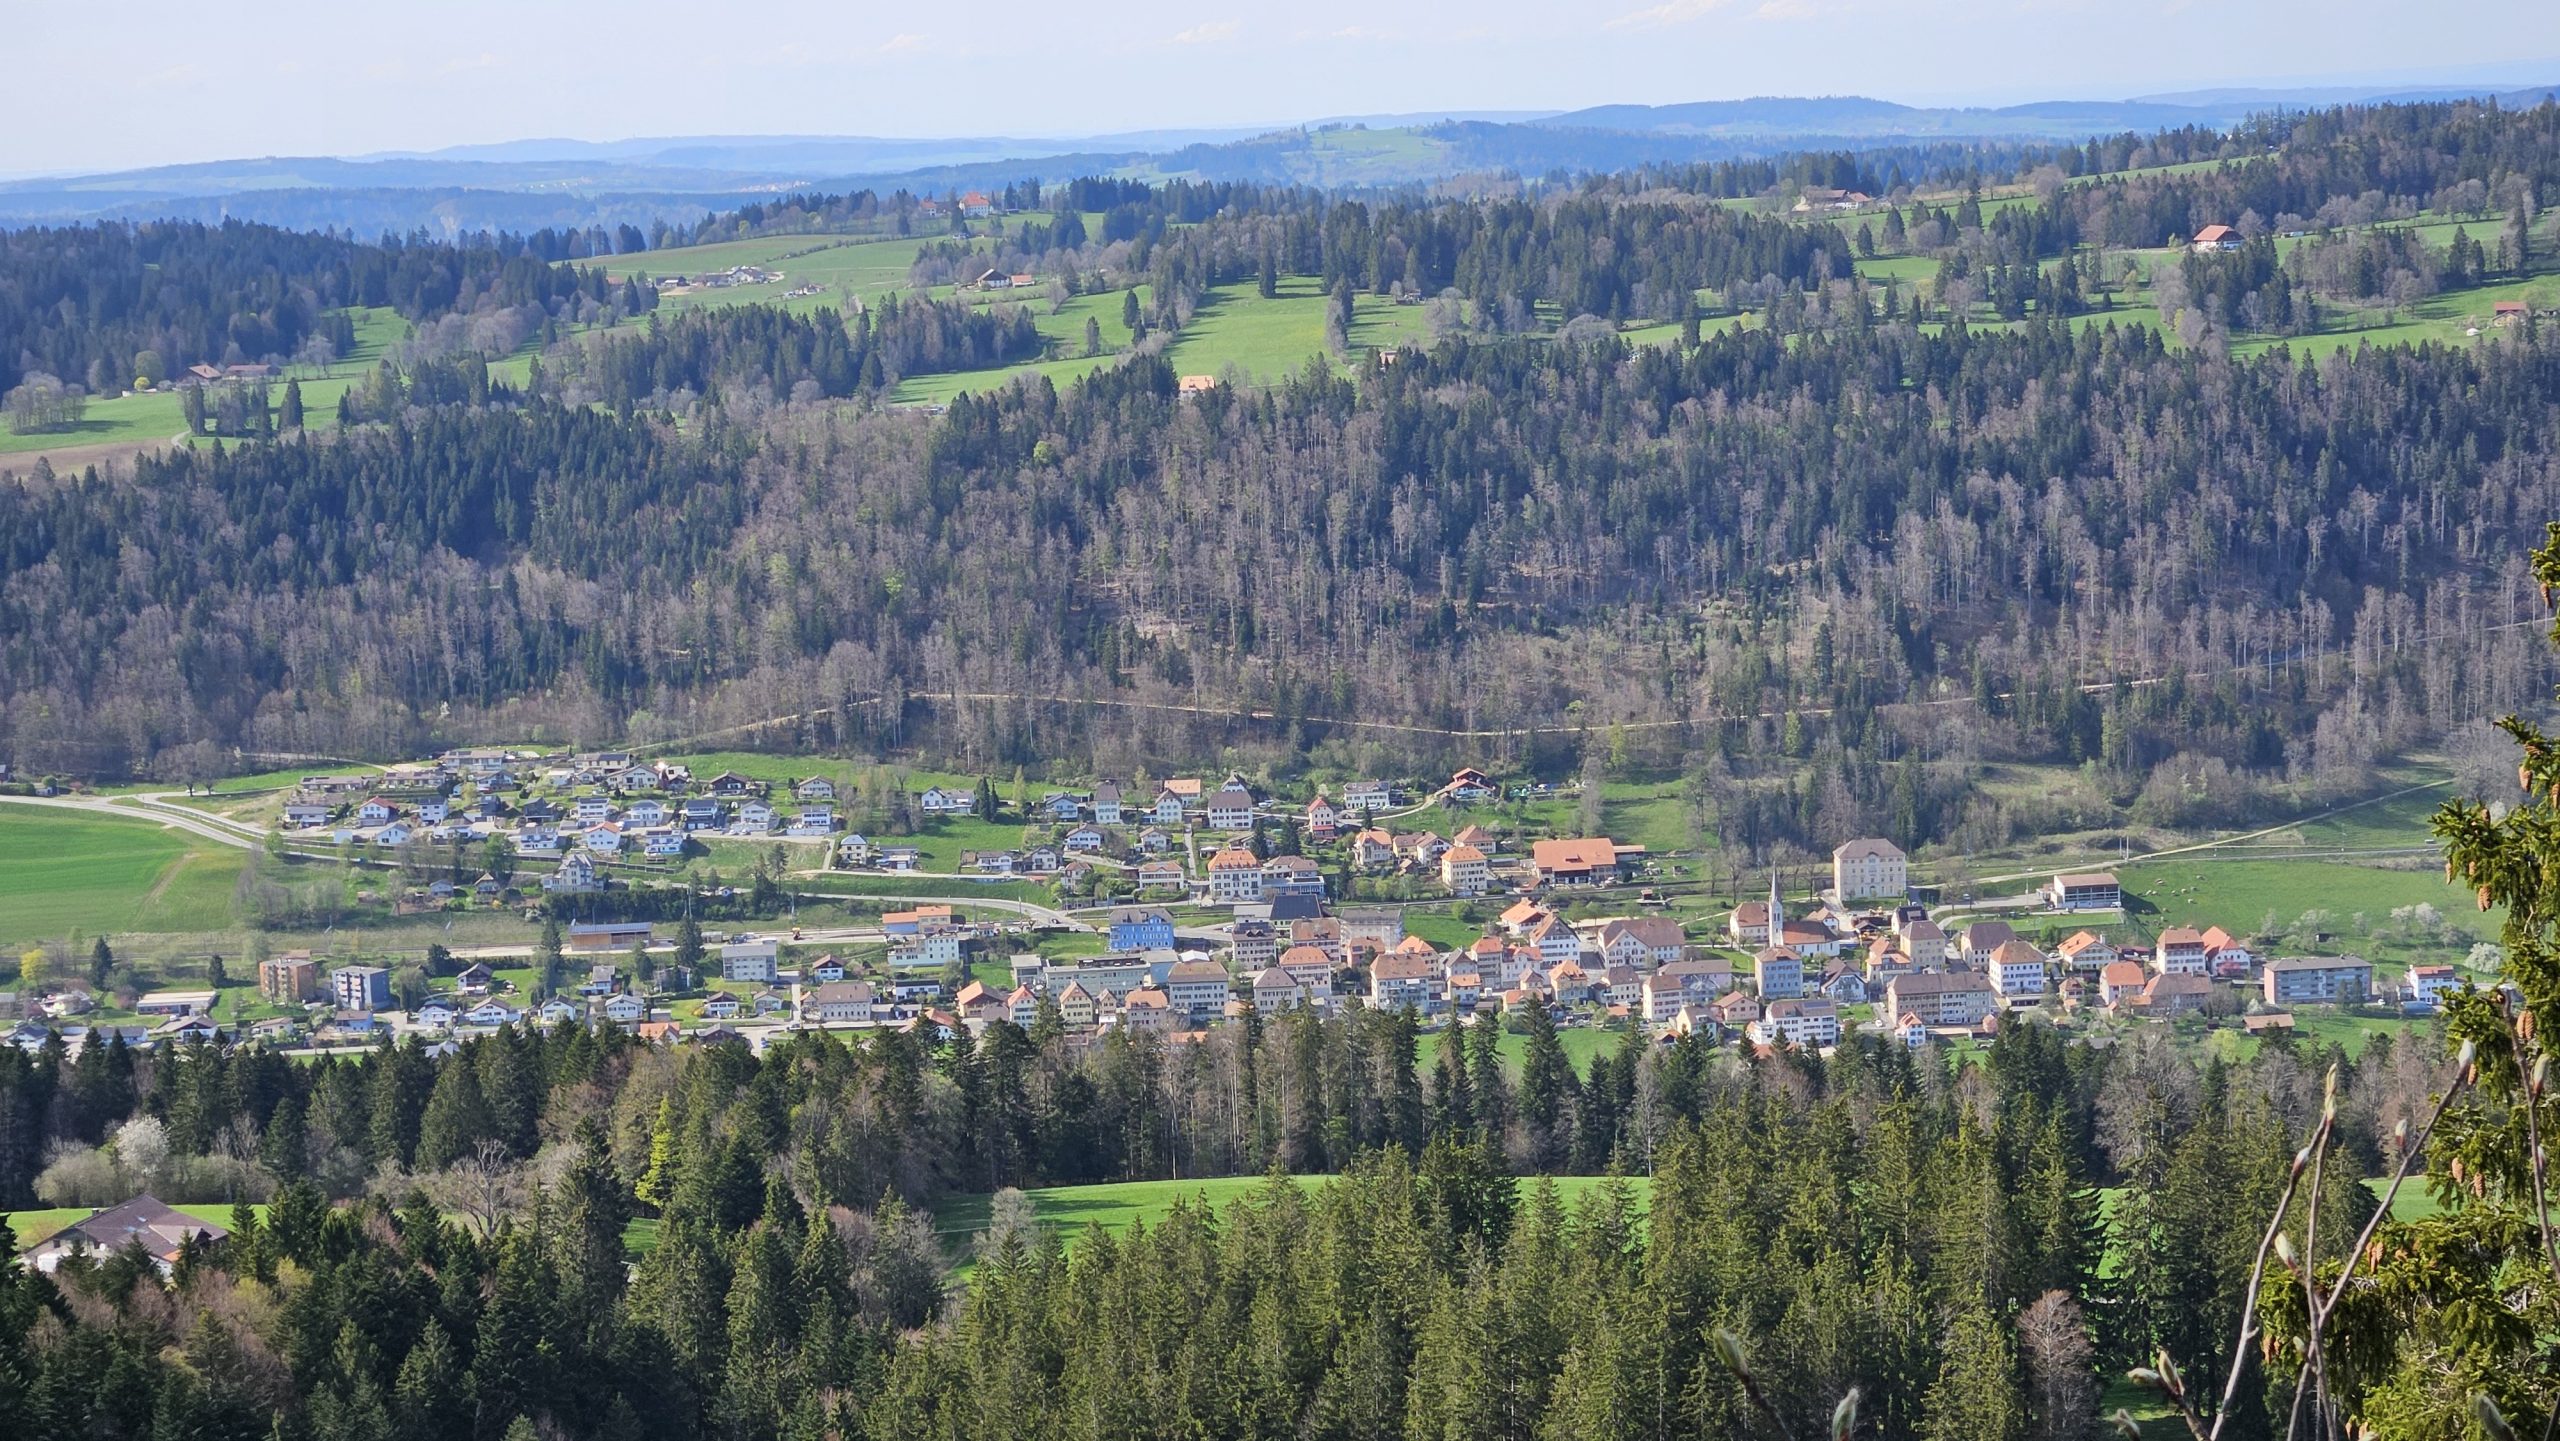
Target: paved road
{"x":176,"y":818}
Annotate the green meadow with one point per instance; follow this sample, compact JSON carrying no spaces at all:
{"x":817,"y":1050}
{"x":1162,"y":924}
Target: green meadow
{"x":2355,"y":902}
{"x":1116,"y":1207}
{"x":160,"y":415}
{"x":72,"y":871}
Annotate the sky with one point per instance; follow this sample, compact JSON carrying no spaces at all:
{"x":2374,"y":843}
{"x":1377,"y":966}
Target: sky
{"x":149,"y":82}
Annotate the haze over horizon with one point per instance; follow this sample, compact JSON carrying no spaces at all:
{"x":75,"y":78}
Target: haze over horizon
{"x":184,"y":84}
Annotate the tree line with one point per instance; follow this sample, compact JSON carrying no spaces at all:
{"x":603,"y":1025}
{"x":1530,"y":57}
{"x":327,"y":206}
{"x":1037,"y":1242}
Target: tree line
{"x":1933,"y":1237}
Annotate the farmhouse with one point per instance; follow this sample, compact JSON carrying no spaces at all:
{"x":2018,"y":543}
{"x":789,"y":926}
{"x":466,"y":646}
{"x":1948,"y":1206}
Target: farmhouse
{"x":1586,"y":860}
{"x":2179,"y":951}
{"x":2215,"y":237}
{"x":2086,"y":952}
{"x":1642,"y":942}
{"x":2172,"y":993}
{"x":2226,"y":956}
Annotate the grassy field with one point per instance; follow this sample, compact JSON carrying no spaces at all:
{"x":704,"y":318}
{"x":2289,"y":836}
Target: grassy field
{"x":868,"y":268}
{"x":161,"y":414}
{"x":1269,"y":339}
{"x":906,"y":886}
{"x":1581,"y":1044}
{"x":71,"y":871}
{"x":1118,"y":1206}
{"x":2354,"y":903}
{"x":32,"y":1227}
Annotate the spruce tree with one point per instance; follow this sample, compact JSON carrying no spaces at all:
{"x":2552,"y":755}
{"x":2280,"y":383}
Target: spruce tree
{"x":457,"y":1117}
{"x":550,"y":961}
{"x":1547,"y":1093}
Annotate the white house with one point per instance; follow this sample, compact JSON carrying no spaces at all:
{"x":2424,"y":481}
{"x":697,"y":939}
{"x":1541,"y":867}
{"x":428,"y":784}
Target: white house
{"x":1234,"y":876}
{"x":1230,"y":809}
{"x":2018,"y":969}
{"x":2179,"y":952}
{"x":1808,"y":1022}
{"x":945,"y":801}
{"x":2431,"y":984}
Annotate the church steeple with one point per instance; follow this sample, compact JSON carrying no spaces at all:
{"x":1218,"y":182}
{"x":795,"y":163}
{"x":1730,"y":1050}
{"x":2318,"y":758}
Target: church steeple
{"x":1777,"y":914}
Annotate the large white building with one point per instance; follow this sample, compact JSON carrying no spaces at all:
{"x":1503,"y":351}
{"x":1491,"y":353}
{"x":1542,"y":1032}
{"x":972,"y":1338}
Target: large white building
{"x":754,"y":958}
{"x":1869,"y":869}
{"x":2018,"y":969}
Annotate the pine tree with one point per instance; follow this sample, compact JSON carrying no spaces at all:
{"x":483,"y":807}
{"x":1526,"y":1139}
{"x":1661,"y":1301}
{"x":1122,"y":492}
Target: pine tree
{"x":457,"y":1118}
{"x":549,"y":959}
{"x":431,"y":1400}
{"x":1547,"y":1094}
{"x":281,"y":1148}
{"x":689,"y":947}
{"x":1975,"y":1397}
{"x":291,"y":418}
{"x":590,"y":1208}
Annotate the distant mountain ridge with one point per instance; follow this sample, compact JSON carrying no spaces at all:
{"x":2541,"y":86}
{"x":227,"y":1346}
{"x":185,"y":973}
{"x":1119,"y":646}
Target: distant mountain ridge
{"x":535,"y":182}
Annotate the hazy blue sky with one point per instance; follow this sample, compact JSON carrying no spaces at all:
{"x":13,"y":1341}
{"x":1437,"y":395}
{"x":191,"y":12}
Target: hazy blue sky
{"x":149,"y":81}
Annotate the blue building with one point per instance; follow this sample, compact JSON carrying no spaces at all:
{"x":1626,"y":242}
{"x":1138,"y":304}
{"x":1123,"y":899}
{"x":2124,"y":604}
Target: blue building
{"x":1135,"y":928}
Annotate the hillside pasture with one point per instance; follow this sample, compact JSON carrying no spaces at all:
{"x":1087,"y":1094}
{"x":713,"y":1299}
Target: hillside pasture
{"x":102,"y":874}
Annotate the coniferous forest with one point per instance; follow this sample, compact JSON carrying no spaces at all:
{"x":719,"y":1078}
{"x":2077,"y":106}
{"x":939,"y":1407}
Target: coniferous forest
{"x":1970,"y":1252}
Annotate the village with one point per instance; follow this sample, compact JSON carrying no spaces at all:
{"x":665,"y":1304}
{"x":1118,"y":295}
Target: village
{"x":1189,"y":902}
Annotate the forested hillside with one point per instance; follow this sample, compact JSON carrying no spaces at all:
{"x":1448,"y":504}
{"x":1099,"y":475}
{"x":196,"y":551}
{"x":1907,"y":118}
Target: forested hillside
{"x":1873,"y":541}
{"x":100,"y":305}
{"x":1866,"y":1221}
